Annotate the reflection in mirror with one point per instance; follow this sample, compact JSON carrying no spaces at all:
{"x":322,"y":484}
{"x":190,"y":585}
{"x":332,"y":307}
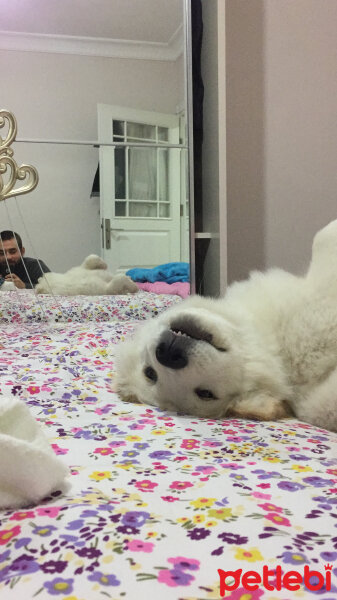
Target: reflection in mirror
{"x":63,"y":77}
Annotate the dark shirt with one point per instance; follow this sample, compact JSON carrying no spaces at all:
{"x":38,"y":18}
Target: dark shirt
{"x":33,"y":267}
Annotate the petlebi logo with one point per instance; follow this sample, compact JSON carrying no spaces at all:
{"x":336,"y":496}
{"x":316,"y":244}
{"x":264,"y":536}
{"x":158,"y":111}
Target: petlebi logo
{"x":275,"y":579}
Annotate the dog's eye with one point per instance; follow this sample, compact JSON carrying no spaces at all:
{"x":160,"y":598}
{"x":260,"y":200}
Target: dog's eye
{"x":150,"y":374}
{"x":205,"y":394}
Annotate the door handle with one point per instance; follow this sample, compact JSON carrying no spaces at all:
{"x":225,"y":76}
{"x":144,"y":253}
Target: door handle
{"x":107,"y":230}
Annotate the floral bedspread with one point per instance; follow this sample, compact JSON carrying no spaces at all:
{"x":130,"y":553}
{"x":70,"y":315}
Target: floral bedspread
{"x":23,"y":306}
{"x":156,"y":503}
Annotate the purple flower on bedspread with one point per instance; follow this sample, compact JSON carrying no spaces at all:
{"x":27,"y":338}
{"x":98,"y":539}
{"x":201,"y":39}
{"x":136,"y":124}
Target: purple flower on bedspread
{"x":127,"y":529}
{"x":294,"y":558}
{"x":87,"y":435}
{"x":54,"y":566}
{"x":329,"y":556}
{"x":206,"y":470}
{"x":161,"y":454}
{"x":59,"y":586}
{"x":134,"y":518}
{"x":44,"y":530}
{"x":233,"y":538}
{"x":318,"y":481}
{"x":198,"y":533}
{"x":262,"y":474}
{"x":174,"y":577}
{"x":89,"y":552}
{"x":141,"y":445}
{"x":116,"y":444}
{"x":290,"y":486}
{"x":297,"y":457}
{"x":104,"y":579}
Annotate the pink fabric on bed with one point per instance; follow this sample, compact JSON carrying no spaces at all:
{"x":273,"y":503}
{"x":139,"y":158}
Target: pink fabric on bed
{"x":180,"y":288}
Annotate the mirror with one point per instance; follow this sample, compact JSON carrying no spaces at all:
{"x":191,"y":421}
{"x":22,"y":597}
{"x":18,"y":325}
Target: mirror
{"x":99,"y":86}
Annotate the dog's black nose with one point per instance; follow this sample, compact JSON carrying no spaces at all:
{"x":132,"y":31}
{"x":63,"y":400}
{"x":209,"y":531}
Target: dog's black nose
{"x":172,"y":350}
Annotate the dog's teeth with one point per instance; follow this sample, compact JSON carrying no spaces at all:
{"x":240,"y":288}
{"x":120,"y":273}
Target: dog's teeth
{"x":180,"y":333}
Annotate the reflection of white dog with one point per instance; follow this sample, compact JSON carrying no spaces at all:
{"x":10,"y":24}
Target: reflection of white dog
{"x":266,"y":350}
{"x":90,"y":279}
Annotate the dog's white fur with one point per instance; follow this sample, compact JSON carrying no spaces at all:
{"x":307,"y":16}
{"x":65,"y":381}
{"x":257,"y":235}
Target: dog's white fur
{"x":273,"y":349}
{"x":91,"y":278}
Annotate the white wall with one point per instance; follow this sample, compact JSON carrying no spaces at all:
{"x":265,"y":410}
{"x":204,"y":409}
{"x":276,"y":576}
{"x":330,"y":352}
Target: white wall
{"x":281,"y":59}
{"x":55,"y":96}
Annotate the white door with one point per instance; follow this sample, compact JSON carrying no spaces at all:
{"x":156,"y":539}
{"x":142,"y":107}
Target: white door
{"x":140,"y":187}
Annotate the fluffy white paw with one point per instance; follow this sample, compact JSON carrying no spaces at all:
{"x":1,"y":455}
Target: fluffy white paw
{"x":122,"y":284}
{"x":94,"y":262}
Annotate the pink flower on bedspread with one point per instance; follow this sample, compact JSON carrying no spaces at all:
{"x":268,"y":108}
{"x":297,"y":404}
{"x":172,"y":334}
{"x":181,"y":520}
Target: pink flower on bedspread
{"x":50,"y":511}
{"x":33,"y":389}
{"x":145,"y":485}
{"x":190,"y":444}
{"x":7,"y":534}
{"x":277,"y":519}
{"x":169,"y":498}
{"x":140,"y":546}
{"x":261,"y":495}
{"x":22,"y":514}
{"x":59,"y":450}
{"x":180,"y":562}
{"x":271,"y":507}
{"x":103,"y":451}
{"x":180,"y":485}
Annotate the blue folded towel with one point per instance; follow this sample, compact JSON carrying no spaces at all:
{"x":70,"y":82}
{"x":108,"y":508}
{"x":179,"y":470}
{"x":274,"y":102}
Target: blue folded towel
{"x":169,"y":272}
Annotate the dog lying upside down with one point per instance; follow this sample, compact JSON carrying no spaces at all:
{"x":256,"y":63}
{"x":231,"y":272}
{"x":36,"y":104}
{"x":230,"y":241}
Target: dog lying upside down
{"x":266,"y":350}
{"x":90,"y":279}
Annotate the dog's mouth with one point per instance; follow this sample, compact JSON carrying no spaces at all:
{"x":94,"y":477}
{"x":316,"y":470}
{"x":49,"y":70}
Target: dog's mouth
{"x":187,"y":327}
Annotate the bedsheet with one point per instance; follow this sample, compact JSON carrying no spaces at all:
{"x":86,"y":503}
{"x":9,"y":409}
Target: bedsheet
{"x":25,"y":306}
{"x":157,"y":502}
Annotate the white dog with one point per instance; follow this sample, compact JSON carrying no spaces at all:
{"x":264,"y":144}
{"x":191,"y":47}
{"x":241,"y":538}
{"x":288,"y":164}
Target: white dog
{"x":267,"y":350}
{"x":90,"y":279}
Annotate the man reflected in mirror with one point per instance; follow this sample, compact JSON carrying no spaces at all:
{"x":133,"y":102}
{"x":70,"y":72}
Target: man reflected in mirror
{"x":23,"y":271}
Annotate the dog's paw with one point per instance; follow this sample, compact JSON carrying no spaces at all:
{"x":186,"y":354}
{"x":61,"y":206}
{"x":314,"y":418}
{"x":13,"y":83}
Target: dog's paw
{"x":261,"y":407}
{"x":41,"y":286}
{"x":122,"y":284}
{"x":93,"y":262}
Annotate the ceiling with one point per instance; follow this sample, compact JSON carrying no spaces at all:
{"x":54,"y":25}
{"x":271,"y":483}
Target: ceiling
{"x":135,"y":20}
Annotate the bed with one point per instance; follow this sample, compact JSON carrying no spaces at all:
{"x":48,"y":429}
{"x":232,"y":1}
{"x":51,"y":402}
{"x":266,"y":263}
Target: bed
{"x":155,"y":503}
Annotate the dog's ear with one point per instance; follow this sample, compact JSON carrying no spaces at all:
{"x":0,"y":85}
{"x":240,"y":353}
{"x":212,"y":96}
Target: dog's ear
{"x":261,"y":406}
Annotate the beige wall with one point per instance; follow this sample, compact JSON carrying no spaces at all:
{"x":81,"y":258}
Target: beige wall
{"x":213,"y":61}
{"x":55,"y":96}
{"x":245,"y":132}
{"x":281,"y":63}
{"x":300,"y":126}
